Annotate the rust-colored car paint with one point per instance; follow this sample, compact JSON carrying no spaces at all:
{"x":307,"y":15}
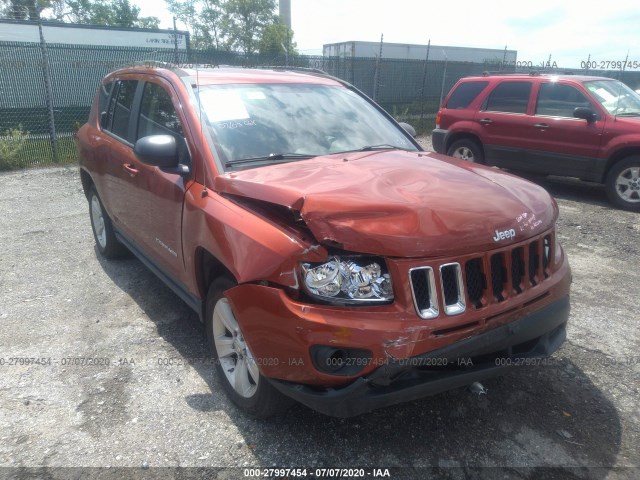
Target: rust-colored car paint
{"x":280,"y":329}
{"x":411,"y":207}
{"x":400,"y":204}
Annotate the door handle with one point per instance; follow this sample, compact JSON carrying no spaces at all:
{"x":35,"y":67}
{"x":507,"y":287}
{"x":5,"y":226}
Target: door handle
{"x":540,"y":125}
{"x":485,"y":121}
{"x":130,"y":169}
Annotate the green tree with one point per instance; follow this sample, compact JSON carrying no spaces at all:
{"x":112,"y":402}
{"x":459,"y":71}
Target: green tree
{"x":277,"y":39}
{"x":203,"y":18}
{"x":245,"y":20}
{"x":23,"y":9}
{"x":116,"y":13}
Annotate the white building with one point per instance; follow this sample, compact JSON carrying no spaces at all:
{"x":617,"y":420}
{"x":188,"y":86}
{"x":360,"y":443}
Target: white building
{"x":405,"y":51}
{"x":74,"y":34}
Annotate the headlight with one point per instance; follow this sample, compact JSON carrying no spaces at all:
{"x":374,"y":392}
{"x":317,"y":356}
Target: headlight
{"x":348,"y":280}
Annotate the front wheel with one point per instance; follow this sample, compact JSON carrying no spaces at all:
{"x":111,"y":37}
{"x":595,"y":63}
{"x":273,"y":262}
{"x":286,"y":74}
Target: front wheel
{"x":466,"y":149}
{"x":235,"y":364}
{"x":623,"y":184}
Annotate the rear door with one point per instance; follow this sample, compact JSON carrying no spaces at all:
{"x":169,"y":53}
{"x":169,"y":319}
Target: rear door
{"x":118,"y":143}
{"x":561,"y":144}
{"x":504,"y":124}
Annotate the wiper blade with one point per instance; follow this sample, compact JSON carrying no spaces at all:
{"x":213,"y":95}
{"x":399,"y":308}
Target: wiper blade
{"x":382,"y":146}
{"x":371,"y":148}
{"x":269,"y":158}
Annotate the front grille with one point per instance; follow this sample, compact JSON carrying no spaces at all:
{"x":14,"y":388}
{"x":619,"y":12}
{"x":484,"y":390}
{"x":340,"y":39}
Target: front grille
{"x":490,"y":278}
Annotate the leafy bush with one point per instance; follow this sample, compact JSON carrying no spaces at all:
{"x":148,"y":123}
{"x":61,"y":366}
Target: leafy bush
{"x":11,"y":144}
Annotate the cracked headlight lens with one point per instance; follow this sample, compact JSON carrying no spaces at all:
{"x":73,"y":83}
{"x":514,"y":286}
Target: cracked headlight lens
{"x":348,"y":280}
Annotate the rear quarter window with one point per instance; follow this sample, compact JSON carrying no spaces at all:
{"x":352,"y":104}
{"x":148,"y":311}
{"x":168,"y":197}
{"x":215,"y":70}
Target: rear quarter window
{"x":464,"y":94}
{"x":103,"y":98}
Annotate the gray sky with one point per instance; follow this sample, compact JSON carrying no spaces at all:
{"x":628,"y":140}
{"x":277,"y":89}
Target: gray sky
{"x":568,"y":30}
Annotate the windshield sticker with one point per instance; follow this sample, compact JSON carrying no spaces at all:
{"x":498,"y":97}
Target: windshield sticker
{"x":234,"y":124}
{"x":256,"y":95}
{"x":223,"y":105}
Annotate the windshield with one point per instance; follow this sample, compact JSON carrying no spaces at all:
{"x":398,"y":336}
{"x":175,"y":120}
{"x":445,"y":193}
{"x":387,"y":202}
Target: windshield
{"x":615,"y":96}
{"x":271,"y":123}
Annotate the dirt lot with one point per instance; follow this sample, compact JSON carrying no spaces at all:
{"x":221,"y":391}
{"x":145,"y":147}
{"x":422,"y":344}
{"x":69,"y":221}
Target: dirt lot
{"x":153,"y":406}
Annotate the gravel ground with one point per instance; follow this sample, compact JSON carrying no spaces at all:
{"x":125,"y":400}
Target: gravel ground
{"x":155,"y":406}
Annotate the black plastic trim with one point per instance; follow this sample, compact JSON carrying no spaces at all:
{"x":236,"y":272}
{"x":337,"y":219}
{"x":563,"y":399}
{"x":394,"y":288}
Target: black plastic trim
{"x":178,"y":288}
{"x":398,"y":381}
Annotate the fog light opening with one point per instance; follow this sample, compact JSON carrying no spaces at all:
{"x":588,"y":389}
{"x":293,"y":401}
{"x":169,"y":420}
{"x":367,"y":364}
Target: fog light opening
{"x":339,"y":360}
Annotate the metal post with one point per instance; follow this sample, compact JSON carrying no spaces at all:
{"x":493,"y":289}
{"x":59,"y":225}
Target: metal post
{"x":586,"y":70}
{"x":444,"y":76}
{"x":504,"y":58}
{"x":375,"y":76}
{"x":424,"y":79}
{"x":49,"y":96}
{"x":175,"y":42}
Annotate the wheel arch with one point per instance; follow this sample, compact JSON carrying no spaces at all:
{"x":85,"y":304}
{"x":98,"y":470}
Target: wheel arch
{"x":618,"y":156}
{"x":207,"y":269}
{"x":87,"y":182}
{"x":464,"y":135}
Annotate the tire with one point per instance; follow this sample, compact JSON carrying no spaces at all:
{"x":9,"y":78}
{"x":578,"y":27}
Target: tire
{"x":466,"y":149}
{"x":623,"y":184}
{"x":238,"y":372}
{"x":103,"y":233}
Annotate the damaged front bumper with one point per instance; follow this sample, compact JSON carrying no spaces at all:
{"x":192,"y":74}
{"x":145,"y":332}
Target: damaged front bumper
{"x":536,"y":335}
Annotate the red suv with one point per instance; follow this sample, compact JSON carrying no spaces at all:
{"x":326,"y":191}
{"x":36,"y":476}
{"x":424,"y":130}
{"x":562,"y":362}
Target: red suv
{"x":331,"y":260}
{"x":577,"y":126}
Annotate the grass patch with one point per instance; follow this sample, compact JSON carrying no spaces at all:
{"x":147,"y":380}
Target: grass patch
{"x":36,"y":152}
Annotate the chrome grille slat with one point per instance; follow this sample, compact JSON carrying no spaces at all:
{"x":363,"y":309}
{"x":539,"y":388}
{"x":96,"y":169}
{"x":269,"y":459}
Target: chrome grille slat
{"x":423,"y":289}
{"x":452,"y":288}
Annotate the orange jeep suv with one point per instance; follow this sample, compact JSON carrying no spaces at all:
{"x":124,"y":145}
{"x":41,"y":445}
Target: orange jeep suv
{"x":331,"y":260}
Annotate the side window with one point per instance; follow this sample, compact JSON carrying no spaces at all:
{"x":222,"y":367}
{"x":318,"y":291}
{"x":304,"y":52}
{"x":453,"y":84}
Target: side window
{"x":120,"y":108}
{"x":558,"y":100}
{"x":512,"y":97}
{"x":462,"y":96}
{"x":103,"y":99}
{"x":157,"y":115}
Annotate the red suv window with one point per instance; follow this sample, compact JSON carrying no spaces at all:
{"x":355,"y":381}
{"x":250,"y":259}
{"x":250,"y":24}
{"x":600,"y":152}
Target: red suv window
{"x":559,"y":100}
{"x":512,"y":97}
{"x":465,"y":94}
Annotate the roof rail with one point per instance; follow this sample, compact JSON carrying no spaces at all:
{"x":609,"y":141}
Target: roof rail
{"x":317,"y":71}
{"x":487,"y":73}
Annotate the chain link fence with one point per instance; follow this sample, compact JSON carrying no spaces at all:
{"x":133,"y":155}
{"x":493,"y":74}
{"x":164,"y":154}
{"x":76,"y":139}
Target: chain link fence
{"x":46,"y":90}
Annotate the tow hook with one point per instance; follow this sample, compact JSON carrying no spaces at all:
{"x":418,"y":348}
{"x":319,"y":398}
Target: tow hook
{"x":478,"y":388}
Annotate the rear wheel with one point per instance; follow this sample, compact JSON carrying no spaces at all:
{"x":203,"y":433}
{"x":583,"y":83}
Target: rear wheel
{"x":466,"y":149}
{"x":236,"y":366}
{"x":106,"y":241}
{"x":623,"y":184}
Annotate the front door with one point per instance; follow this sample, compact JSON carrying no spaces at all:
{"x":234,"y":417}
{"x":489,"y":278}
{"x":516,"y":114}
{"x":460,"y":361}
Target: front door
{"x":155,"y":197}
{"x":561,"y":144}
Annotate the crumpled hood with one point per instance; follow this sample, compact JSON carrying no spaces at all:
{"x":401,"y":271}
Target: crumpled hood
{"x":401,"y":204}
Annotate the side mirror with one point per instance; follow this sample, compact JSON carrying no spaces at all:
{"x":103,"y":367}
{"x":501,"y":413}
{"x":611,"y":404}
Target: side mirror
{"x":408,"y":128}
{"x":585,"y":113}
{"x":158,"y":150}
